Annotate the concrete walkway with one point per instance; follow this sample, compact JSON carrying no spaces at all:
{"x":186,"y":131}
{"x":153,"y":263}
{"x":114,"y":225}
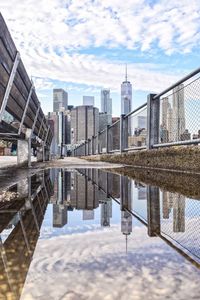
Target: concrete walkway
{"x":11,"y":161}
{"x":8,"y":161}
{"x":74,"y":162}
{"x":68,"y":162}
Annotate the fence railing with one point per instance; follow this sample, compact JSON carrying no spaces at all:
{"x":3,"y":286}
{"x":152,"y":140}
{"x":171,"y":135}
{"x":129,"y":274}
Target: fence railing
{"x":169,"y":118}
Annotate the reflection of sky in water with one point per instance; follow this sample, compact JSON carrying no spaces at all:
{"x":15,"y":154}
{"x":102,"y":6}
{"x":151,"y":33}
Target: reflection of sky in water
{"x":83,"y":260}
{"x":94,"y":265}
{"x":76,"y":224}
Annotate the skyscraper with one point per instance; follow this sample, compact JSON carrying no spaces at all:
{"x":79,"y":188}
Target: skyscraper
{"x":60,"y":100}
{"x":88,"y":100}
{"x":84,"y":123}
{"x":126,"y":95}
{"x":106,"y":102}
{"x":178,"y":112}
{"x":165,"y":107}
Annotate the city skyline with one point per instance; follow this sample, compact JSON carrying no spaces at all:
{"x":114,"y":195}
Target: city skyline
{"x":68,"y":53}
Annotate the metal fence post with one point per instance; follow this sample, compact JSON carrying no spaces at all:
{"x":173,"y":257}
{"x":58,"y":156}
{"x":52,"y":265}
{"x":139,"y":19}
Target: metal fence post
{"x":153,"y":120}
{"x":86,"y":148}
{"x":98,"y":144}
{"x":126,"y":132}
{"x":89,"y":146}
{"x":121,"y":133}
{"x":92,"y":147}
{"x":153,"y":210}
{"x":107,"y":138}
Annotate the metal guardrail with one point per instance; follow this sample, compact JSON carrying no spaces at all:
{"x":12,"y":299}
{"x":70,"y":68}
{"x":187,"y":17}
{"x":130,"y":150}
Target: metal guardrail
{"x":170,"y":118}
{"x":122,"y":135}
{"x":19,"y":105}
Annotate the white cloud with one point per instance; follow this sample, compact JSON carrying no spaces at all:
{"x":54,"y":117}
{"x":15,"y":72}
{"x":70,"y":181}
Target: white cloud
{"x":51,"y":34}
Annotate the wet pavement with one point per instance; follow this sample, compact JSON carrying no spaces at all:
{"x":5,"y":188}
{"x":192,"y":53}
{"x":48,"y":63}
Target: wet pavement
{"x":94,"y":234}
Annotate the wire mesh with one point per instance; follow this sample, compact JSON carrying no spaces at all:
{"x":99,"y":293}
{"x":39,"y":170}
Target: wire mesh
{"x":102,"y":141}
{"x":81,"y":150}
{"x":180,"y":221}
{"x":89,"y":147}
{"x":180,"y":111}
{"x":137,"y":128}
{"x":95,"y":144}
{"x":114,"y":136}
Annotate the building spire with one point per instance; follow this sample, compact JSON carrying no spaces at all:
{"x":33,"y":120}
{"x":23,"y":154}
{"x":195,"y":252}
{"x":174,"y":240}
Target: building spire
{"x":126,"y":73}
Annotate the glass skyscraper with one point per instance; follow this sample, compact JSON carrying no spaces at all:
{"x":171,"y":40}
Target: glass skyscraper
{"x":126,"y":95}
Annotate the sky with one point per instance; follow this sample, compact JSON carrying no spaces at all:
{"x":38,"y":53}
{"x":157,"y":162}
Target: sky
{"x":83,"y":46}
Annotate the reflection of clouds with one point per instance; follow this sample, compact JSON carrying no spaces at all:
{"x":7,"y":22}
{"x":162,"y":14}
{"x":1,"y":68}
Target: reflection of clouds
{"x":49,"y":231}
{"x":94,"y":265}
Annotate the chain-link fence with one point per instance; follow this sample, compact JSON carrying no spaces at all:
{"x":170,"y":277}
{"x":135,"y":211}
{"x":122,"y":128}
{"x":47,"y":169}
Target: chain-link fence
{"x":95,"y":144}
{"x":114,"y":137}
{"x":137,"y":128}
{"x":179,"y":113}
{"x":102,"y":141}
{"x":89,"y":147}
{"x":80,"y":150}
{"x":178,"y":217}
{"x":180,"y":221}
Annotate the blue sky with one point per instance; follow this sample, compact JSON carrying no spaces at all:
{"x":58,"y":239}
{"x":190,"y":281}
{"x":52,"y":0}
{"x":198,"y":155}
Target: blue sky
{"x":82,"y":46}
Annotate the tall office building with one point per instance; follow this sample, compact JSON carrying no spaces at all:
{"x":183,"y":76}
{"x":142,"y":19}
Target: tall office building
{"x":170,"y":124}
{"x":106,"y":102}
{"x":104,"y":120}
{"x":165,"y":108}
{"x":84,"y":123}
{"x":178,"y":112}
{"x":60,"y":100}
{"x":88,"y":100}
{"x":126,"y":95}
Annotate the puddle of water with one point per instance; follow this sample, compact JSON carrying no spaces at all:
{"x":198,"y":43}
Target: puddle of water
{"x":90,"y":234}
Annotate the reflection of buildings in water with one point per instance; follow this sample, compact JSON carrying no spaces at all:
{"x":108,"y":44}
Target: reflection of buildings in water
{"x":179,"y":213}
{"x":88,"y":215}
{"x":59,"y":215}
{"x":165,"y":205}
{"x":106,"y":212}
{"x":18,"y":248}
{"x":126,"y":222}
{"x":126,"y":225}
{"x":114,"y":185}
{"x":74,"y":191}
{"x":177,"y":203}
{"x":142,"y":191}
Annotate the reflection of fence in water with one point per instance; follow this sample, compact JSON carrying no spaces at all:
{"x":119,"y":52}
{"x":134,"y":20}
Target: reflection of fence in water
{"x":180,"y":221}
